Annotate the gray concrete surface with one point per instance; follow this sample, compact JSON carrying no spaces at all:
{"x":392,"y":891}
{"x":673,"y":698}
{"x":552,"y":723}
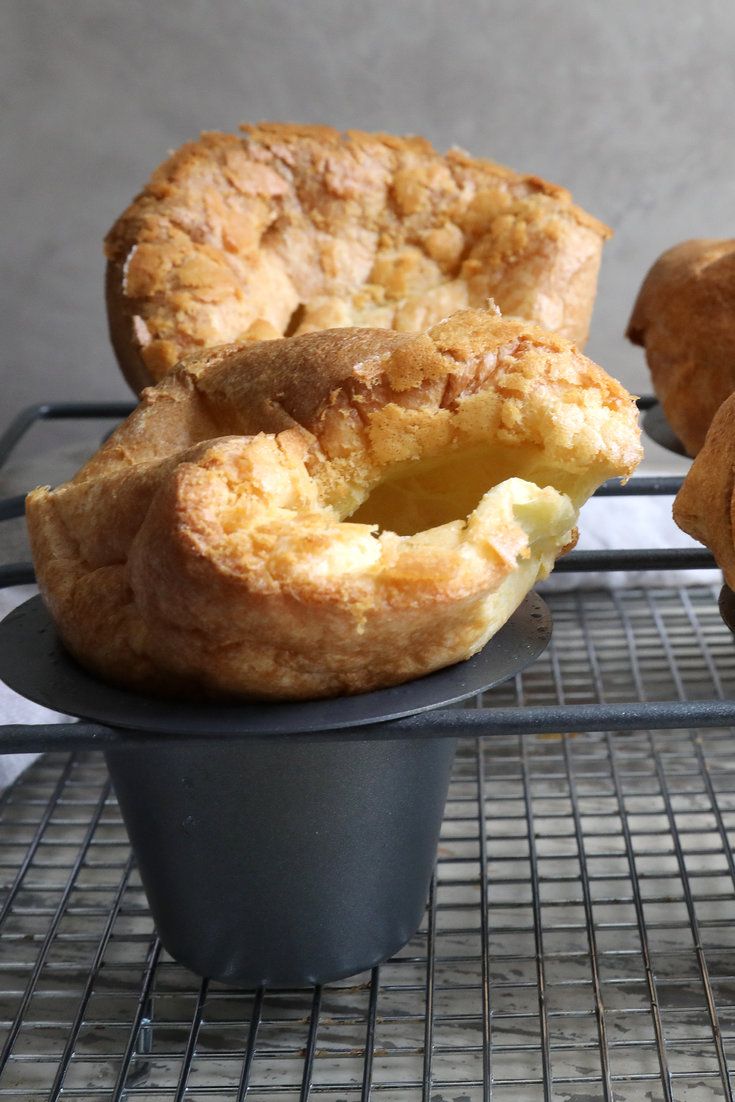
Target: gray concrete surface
{"x":630,"y":104}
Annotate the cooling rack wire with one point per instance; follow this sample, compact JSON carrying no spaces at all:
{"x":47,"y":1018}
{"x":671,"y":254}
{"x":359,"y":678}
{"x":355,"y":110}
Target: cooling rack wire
{"x":579,"y":938}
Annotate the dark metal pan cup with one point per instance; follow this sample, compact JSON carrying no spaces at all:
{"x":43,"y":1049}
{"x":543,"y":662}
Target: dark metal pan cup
{"x":278,"y":844}
{"x":285,"y":863}
{"x":657,"y":428}
{"x":726,"y":604}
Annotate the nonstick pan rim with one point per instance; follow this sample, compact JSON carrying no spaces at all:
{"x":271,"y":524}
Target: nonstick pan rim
{"x":34,"y":663}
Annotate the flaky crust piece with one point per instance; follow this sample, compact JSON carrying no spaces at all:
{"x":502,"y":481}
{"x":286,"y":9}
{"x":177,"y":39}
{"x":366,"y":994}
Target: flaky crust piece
{"x":684,"y":317}
{"x":705,"y":504}
{"x":290,"y":229}
{"x":328,"y":513}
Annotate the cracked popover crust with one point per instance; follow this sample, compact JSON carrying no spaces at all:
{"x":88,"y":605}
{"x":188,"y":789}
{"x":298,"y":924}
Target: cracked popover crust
{"x":684,"y":317}
{"x":288,"y":229}
{"x":329,"y":513}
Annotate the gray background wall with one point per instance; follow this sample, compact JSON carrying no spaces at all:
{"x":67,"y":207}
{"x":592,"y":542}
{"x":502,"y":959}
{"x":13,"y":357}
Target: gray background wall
{"x":628,"y":103}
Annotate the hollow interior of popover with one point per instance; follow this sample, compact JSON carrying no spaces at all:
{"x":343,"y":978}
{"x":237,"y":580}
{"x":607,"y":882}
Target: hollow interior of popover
{"x":422,"y":494}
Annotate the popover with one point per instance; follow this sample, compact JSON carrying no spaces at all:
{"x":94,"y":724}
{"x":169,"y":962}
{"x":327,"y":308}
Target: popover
{"x":684,"y":317}
{"x":284,"y":229}
{"x":329,"y":513}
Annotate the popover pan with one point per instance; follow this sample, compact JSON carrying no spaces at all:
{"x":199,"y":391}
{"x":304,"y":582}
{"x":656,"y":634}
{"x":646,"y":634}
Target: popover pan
{"x":274,"y":850}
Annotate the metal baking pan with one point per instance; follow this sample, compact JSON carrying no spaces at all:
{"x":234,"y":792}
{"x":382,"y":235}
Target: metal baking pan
{"x":289,"y":853}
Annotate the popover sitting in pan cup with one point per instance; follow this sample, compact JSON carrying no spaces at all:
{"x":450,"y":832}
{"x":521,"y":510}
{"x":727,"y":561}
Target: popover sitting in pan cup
{"x":301,"y":518}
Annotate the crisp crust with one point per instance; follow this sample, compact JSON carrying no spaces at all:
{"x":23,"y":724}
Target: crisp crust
{"x":705,"y":504}
{"x":205,"y":547}
{"x":289,"y":229}
{"x":684,"y":317}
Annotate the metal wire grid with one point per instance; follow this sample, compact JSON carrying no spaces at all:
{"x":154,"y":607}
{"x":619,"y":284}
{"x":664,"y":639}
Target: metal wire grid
{"x":600,"y":966}
{"x":576,"y":939}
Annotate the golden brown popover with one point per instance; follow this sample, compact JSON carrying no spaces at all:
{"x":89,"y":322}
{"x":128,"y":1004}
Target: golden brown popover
{"x":328,"y":513}
{"x":684,"y":317}
{"x":287,"y":229}
{"x":705,"y":504}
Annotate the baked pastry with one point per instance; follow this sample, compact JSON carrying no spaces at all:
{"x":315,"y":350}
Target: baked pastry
{"x":290,"y":229}
{"x":684,"y":317}
{"x":247,"y":532}
{"x":705,"y":504}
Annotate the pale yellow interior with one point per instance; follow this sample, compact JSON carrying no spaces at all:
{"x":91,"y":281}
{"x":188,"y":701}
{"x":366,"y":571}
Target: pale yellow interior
{"x":425,"y":494}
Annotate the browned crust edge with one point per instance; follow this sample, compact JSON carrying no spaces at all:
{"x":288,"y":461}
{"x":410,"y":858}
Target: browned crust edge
{"x":121,"y":328}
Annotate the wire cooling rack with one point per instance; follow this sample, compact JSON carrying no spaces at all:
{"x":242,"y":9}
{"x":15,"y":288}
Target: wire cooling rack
{"x":579,"y":940}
